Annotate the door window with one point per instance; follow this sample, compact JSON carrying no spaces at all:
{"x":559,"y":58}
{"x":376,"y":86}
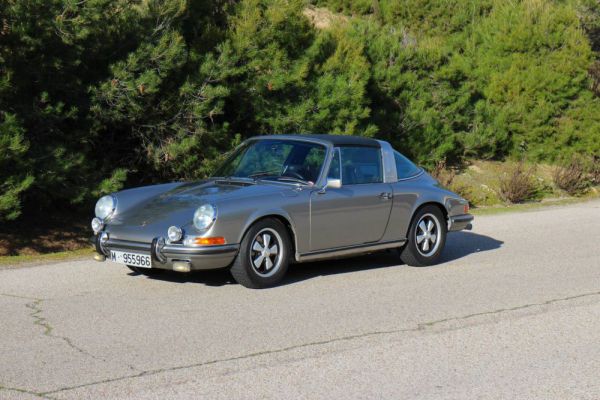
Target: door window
{"x":361,"y":165}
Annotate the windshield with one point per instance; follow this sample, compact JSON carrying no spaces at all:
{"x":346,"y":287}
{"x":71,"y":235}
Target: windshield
{"x":283,"y":160}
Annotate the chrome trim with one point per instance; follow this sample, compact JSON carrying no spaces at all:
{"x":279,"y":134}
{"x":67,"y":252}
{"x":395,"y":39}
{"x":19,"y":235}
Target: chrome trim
{"x":348,"y":250}
{"x":421,"y":172}
{"x":459,"y":222}
{"x":158,"y":245}
{"x":338,"y":152}
{"x":182,"y":250}
{"x":390,"y":174}
{"x":335,"y":151}
{"x":128,"y":245}
{"x":171,"y":249}
{"x":102,"y":243}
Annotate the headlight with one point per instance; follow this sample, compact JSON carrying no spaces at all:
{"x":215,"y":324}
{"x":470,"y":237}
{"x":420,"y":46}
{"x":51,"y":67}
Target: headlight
{"x":204,"y":216}
{"x":105,"y":206}
{"x":174,"y":233}
{"x":97,"y":225}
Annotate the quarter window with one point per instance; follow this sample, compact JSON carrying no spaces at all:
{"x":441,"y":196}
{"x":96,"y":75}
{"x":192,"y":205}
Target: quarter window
{"x":404,"y":167}
{"x":334,"y":169}
{"x":361,"y":165}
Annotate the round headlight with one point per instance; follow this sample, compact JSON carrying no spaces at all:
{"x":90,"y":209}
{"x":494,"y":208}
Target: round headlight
{"x":97,"y":225}
{"x":174,"y":233}
{"x":105,"y":207}
{"x":204,"y":216}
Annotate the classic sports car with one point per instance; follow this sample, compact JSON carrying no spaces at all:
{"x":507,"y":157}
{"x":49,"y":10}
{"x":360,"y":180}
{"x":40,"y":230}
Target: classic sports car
{"x":281,"y":199}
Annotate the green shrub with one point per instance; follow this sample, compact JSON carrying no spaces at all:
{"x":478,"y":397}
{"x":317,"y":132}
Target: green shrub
{"x":14,"y":176}
{"x":518,"y":185}
{"x":595,"y":170}
{"x":108,"y":93}
{"x":572,"y":177}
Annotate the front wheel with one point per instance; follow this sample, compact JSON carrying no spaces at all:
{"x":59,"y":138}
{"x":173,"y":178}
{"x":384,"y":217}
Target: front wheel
{"x":426,"y":238}
{"x":263,"y":257}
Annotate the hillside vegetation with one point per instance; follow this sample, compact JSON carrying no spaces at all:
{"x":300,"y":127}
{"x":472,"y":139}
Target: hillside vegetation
{"x":98,"y":94}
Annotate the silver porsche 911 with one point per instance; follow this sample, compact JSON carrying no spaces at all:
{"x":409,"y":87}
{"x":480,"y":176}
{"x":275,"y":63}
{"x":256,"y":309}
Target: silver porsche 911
{"x":281,"y":199}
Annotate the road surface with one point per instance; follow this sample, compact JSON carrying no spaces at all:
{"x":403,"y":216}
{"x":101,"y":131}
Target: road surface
{"x":513,"y":312}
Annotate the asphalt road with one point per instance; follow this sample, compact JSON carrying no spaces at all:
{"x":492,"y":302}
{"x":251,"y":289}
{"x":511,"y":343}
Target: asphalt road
{"x":513,"y":312}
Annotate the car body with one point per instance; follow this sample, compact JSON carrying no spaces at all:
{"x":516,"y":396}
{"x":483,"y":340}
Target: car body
{"x":326,"y":196}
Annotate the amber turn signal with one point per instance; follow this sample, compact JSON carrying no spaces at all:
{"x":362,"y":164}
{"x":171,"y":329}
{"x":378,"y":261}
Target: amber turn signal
{"x":209,"y":241}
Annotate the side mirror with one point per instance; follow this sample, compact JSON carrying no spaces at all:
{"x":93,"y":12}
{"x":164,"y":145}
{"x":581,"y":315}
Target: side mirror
{"x":333,"y":183}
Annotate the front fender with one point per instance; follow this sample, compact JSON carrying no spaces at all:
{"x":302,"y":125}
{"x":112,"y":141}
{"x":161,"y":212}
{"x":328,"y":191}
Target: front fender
{"x":235,"y":215}
{"x":270,"y":212}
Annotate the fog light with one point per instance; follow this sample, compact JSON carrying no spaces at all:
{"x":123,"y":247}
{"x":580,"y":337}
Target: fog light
{"x":182,"y":266}
{"x":97,"y":225}
{"x":174,"y":234}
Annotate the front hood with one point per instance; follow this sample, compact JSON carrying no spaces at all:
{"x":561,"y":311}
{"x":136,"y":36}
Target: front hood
{"x":153,"y":216}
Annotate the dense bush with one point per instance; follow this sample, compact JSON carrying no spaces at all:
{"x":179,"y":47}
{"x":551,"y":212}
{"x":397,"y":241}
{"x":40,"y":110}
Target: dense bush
{"x":98,"y":94}
{"x":518,"y":185}
{"x":572,"y":177}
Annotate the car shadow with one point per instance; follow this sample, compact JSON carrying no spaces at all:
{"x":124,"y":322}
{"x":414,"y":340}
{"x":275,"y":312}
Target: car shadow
{"x":461,"y":244}
{"x":458,"y":245}
{"x":217,"y":277}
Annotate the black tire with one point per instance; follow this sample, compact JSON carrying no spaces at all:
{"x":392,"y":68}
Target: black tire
{"x":146,"y":271}
{"x":244,"y":268}
{"x":414,"y":253}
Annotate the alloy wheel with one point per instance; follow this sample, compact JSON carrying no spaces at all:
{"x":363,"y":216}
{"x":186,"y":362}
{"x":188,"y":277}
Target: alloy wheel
{"x":427,"y":235}
{"x":266,"y":254}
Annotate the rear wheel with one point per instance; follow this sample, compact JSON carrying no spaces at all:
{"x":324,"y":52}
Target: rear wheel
{"x":263,"y":257}
{"x":146,"y":271}
{"x":426,"y":238}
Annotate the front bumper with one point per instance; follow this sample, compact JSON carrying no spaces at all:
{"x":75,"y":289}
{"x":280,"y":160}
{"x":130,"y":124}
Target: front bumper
{"x":460,"y":222}
{"x":200,"y":258}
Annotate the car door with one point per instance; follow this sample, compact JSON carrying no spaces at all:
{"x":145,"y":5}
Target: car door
{"x":358,"y":211}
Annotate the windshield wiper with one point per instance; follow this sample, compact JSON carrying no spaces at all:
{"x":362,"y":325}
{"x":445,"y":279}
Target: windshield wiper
{"x":291,"y":178}
{"x":262,"y":174}
{"x":233,"y":178}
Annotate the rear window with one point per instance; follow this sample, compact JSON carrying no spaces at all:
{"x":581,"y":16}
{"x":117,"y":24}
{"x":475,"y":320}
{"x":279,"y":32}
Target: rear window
{"x":404,"y":167}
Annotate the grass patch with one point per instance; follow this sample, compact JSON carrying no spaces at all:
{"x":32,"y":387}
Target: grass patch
{"x":531,"y":206}
{"x":45,"y":258}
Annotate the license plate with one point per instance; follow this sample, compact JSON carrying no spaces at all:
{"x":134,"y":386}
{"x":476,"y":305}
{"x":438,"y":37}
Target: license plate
{"x":133,"y":259}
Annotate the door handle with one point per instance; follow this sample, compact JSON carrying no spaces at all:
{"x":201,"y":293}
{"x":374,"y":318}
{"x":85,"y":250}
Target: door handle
{"x":385,"y":196}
